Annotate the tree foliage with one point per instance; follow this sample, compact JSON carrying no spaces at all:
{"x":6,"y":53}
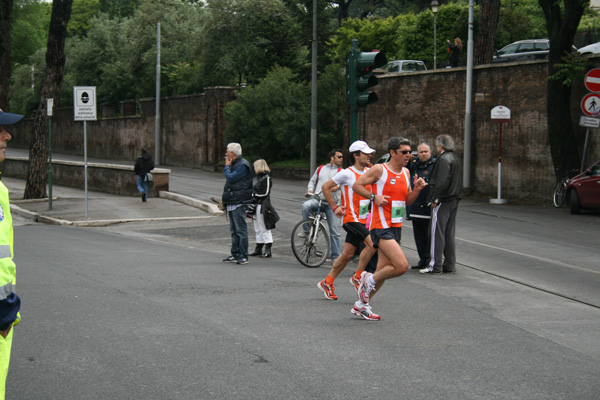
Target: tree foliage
{"x":245,"y":38}
{"x":271,"y":119}
{"x":81,"y":15}
{"x":31,"y":19}
{"x":37,"y":173}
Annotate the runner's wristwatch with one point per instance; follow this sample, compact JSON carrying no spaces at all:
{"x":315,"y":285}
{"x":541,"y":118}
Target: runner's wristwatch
{"x":372,"y":198}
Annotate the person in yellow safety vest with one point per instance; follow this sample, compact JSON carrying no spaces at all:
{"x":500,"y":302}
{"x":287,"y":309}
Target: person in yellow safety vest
{"x":9,"y":301}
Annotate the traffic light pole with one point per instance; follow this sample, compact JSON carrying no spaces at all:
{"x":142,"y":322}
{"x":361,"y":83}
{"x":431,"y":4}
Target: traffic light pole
{"x":353,"y":86}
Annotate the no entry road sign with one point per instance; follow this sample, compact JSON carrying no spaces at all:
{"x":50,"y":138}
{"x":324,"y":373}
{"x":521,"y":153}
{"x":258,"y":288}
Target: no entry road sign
{"x":592,"y":80}
{"x":590,"y":105}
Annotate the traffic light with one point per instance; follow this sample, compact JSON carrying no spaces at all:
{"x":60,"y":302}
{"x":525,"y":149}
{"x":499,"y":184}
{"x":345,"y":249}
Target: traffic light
{"x":359,"y":76}
{"x":365,"y":64}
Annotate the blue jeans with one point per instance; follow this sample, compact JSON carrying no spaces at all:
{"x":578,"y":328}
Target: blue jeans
{"x":142,"y":185}
{"x":310,"y":206}
{"x":239,"y":232}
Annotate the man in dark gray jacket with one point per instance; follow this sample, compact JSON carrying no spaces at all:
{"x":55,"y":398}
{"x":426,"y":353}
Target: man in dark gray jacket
{"x":237,"y":194}
{"x":445,"y":186}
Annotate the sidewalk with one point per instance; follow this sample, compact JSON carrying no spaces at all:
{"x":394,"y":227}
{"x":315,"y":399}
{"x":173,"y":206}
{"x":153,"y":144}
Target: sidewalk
{"x":69,"y":207}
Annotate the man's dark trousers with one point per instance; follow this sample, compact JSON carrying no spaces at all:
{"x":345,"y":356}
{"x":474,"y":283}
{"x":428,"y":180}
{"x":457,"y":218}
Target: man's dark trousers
{"x":239,"y":232}
{"x":443,"y":229}
{"x":421,"y":234}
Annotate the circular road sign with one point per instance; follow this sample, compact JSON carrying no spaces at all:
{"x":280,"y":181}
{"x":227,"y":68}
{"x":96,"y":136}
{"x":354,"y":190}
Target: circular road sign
{"x":592,"y":80}
{"x":590,"y":105}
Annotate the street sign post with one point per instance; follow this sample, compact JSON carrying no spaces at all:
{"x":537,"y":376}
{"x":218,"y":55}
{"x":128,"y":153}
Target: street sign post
{"x":84,"y":106}
{"x":500,"y":115}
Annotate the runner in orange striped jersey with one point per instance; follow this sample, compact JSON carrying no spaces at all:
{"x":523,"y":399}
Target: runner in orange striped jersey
{"x":390,"y":184}
{"x":354,"y":210}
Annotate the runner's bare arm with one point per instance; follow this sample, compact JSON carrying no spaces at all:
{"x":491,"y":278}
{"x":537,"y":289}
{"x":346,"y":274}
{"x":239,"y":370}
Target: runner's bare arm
{"x":327,"y":188}
{"x":413,"y":194}
{"x":369,"y":177}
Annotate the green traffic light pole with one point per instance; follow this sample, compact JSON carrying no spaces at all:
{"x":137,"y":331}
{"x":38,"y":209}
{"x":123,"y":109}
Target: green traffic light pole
{"x":49,"y":106}
{"x":351,"y":72}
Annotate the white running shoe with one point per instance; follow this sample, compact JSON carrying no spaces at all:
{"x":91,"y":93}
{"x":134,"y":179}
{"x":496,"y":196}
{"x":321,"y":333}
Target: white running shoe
{"x":426,"y":270}
{"x":364,"y":310}
{"x":365,"y":288}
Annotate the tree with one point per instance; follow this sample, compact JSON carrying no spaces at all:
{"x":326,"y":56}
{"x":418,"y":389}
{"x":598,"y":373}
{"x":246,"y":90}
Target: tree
{"x":31,"y":19}
{"x":245,"y":38}
{"x":271,"y":119}
{"x":5,"y":51}
{"x":486,"y":36}
{"x":37,"y":174}
{"x":119,"y":8}
{"x":562,"y":20}
{"x":81,"y":14}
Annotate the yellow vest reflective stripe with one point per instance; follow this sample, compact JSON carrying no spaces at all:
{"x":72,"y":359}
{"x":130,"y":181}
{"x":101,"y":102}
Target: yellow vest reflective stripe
{"x":7,"y":266}
{"x":6,"y":290}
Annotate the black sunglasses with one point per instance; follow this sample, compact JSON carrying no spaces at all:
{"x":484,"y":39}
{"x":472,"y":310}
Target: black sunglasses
{"x":340,"y":156}
{"x":403,"y":151}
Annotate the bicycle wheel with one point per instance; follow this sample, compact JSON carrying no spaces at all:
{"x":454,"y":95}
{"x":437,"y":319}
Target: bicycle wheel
{"x":312,"y":250}
{"x":560,"y":194}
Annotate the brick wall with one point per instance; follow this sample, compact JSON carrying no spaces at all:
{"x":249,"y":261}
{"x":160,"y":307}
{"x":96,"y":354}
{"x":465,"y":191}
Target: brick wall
{"x":420,"y":106}
{"x":191,"y":130}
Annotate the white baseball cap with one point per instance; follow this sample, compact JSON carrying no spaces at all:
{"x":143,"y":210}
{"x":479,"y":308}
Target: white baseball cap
{"x":359,"y":145}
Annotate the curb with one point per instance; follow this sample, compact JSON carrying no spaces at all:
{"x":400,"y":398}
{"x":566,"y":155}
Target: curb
{"x":203,"y":205}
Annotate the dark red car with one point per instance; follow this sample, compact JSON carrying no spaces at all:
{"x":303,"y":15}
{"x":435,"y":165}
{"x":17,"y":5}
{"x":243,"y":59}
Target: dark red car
{"x":583,"y":191}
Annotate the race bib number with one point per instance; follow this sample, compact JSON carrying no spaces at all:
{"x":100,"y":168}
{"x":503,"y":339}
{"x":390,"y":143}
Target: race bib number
{"x":398,"y":211}
{"x":363,"y":209}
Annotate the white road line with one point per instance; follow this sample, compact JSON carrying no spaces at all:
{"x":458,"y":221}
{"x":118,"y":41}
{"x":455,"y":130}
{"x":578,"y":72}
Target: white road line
{"x":561,"y":264}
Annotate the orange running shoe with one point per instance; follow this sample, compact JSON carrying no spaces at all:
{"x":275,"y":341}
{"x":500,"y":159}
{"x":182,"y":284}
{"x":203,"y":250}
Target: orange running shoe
{"x":327,"y":290}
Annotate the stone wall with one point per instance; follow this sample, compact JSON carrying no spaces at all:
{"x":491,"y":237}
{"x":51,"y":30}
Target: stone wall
{"x":420,"y":106}
{"x":108,"y":178}
{"x":191,"y":130}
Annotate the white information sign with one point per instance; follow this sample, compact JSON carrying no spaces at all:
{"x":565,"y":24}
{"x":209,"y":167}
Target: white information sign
{"x":49,"y":106}
{"x":500,"y":114}
{"x":589,"y":122}
{"x":84,"y":101}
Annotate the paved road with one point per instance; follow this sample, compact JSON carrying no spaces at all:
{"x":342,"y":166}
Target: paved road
{"x":147,"y":310}
{"x":111,"y":315}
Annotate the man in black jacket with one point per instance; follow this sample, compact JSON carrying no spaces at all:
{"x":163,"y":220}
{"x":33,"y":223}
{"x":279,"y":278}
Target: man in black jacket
{"x":237,"y":194}
{"x":143,"y":165}
{"x":445,"y":186}
{"x":419,"y":212}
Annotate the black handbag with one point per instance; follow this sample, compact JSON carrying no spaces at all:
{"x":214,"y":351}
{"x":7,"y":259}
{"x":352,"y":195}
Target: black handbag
{"x":271,"y":217}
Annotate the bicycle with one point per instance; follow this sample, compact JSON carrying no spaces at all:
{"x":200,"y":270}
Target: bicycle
{"x":563,"y":177}
{"x":311,"y":247}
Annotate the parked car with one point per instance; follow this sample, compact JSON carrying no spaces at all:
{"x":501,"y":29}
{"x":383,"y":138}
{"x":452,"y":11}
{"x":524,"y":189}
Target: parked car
{"x":523,"y":50}
{"x":386,"y":157}
{"x":583,"y":191}
{"x":402,"y":66}
{"x":590,"y":49}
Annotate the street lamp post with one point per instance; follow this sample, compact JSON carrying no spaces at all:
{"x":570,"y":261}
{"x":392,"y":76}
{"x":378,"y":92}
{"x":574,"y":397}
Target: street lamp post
{"x":434,"y":9}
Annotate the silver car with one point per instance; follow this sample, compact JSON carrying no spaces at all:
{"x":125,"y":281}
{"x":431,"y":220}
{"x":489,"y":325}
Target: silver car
{"x":523,"y":50}
{"x":403,"y":66}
